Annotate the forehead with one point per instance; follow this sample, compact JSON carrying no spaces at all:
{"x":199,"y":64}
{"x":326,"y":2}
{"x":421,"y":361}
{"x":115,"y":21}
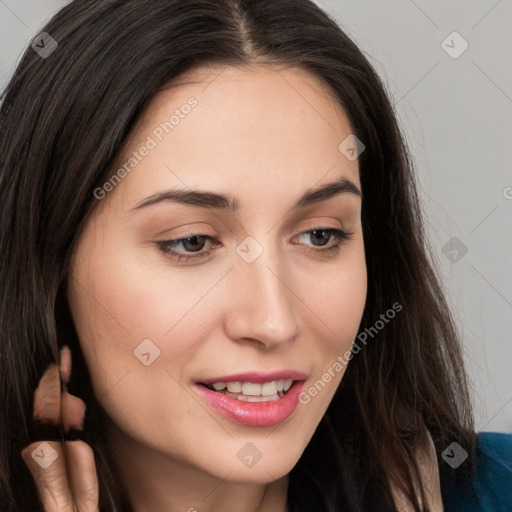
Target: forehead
{"x":256,"y":129}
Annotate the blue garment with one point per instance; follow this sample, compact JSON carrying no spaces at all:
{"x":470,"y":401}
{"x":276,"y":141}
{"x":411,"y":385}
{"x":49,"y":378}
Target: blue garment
{"x":491,"y":490}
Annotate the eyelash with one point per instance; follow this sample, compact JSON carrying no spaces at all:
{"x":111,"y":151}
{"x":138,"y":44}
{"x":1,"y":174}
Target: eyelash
{"x":339,"y":235}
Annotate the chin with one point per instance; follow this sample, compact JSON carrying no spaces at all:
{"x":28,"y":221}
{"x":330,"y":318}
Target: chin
{"x":262,"y":472}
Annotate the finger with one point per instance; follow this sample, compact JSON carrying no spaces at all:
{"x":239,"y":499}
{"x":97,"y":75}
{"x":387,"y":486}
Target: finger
{"x":65,"y":363}
{"x":47,"y":396}
{"x":45,"y":423}
{"x":84,"y":480}
{"x":73,"y":412}
{"x":47,"y":464}
{"x":50,"y":403}
{"x":72,"y":407}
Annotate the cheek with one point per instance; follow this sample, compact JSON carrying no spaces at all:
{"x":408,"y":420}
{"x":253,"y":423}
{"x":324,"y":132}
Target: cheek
{"x":123,"y":296}
{"x":116,"y":304}
{"x":337,"y":298}
{"x":338,"y":306}
{"x":339,"y":309}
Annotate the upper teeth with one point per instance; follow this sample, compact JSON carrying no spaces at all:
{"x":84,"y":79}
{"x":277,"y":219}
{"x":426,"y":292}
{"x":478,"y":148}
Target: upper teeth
{"x":253,"y":389}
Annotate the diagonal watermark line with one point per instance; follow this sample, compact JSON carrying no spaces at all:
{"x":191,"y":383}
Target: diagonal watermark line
{"x":119,"y":380}
{"x":417,"y":83}
{"x":493,"y":210}
{"x":217,"y":486}
{"x":502,"y":296}
{"x":101,"y":305}
{"x":501,"y":409}
{"x":200,"y":299}
{"x":424,"y":13}
{"x":485,"y":15}
{"x":279,"y":425}
{"x":213,"y":212}
{"x":317,"y":181}
{"x":284,"y":486}
{"x":276,"y":479}
{"x":333,"y":333}
{"x":492,"y":81}
{"x":7,"y":7}
{"x":279,"y":73}
{"x":216,"y":76}
{"x":197,"y":401}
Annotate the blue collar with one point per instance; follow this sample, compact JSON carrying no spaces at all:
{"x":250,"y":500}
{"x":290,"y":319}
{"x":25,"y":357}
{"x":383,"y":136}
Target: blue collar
{"x":491,"y":488}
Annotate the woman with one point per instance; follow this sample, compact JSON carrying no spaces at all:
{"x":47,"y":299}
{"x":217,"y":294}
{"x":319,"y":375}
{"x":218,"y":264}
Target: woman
{"x":167,"y":296}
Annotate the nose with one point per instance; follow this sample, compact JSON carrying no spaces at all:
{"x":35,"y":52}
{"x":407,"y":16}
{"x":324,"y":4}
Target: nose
{"x":261,"y":305}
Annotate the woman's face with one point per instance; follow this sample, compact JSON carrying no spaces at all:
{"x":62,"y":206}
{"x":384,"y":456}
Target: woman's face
{"x":261,"y":293}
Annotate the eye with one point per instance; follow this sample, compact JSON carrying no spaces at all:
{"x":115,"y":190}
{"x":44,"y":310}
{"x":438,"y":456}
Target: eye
{"x":193,"y":243}
{"x":196,"y":242}
{"x":320,"y":234}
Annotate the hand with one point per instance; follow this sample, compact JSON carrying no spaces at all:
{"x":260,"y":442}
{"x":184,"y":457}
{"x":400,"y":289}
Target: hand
{"x":64,"y":472}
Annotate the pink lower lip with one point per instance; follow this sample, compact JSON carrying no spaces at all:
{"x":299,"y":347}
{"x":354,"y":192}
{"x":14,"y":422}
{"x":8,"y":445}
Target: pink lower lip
{"x":254,"y":414}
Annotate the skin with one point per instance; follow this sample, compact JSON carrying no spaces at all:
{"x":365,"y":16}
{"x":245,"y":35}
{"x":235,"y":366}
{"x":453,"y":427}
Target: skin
{"x":70,"y":482}
{"x":265,"y":136}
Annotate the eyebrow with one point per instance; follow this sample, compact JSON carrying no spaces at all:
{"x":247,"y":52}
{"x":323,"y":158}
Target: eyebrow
{"x":205,"y":199}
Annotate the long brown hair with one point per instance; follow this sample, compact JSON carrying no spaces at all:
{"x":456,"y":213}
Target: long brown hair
{"x":63,"y":121}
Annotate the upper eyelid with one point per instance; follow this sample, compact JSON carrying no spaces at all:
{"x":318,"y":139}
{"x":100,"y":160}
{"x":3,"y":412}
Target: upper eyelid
{"x":318,"y":224}
{"x":340,"y":235}
{"x":345,"y":233}
{"x":216,"y":237}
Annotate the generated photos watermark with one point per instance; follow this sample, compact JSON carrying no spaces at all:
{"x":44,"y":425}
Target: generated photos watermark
{"x":343,"y":359}
{"x":158,"y":133}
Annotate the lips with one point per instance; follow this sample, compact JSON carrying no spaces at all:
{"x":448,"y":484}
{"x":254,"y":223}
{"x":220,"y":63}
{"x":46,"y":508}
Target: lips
{"x":253,"y":398}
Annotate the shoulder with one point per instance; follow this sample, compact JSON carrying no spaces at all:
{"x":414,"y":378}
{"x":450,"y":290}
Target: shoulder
{"x":493,"y":478}
{"x":496,"y":446}
{"x":491,"y":488}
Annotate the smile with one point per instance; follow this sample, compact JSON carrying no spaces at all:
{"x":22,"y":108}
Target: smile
{"x":252,"y":391}
{"x":255,"y":400}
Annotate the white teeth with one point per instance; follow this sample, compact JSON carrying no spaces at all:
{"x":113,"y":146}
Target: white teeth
{"x":269,"y":388}
{"x":242,"y":390}
{"x":248,"y":388}
{"x":234,"y":387}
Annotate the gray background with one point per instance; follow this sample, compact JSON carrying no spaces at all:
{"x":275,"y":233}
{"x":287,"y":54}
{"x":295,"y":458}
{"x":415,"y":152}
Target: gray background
{"x":457,"y":117}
